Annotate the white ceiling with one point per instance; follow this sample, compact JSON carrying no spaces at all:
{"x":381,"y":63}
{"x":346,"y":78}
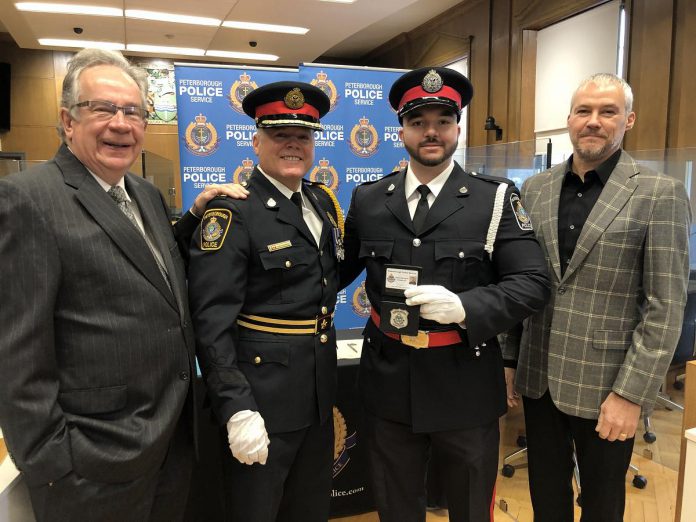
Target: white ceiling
{"x":346,"y":31}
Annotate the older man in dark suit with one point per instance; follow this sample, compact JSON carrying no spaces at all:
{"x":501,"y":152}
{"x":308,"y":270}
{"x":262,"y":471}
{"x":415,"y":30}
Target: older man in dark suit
{"x":615,"y":236}
{"x":97,"y":348}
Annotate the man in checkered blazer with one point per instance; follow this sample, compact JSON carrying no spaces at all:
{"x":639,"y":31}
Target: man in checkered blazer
{"x":615,"y":236}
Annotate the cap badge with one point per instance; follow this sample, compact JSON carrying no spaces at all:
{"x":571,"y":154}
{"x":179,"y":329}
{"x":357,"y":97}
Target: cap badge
{"x":294,"y":99}
{"x":432,"y":82}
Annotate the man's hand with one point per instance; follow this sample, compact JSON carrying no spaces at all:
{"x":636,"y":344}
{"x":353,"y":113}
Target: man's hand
{"x":246,"y":434}
{"x":436,"y":303}
{"x":232,"y":190}
{"x":513,"y":398}
{"x":618,"y":418}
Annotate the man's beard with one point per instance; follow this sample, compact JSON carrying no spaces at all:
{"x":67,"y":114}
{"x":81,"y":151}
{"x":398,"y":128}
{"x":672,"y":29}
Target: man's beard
{"x":590,"y":153}
{"x":447,"y":153}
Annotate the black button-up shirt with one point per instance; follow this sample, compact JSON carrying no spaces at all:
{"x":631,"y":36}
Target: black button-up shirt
{"x":576,"y":202}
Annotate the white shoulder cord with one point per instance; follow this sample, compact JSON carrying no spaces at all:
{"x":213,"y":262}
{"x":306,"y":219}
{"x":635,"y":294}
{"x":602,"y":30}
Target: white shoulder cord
{"x":495,"y":218}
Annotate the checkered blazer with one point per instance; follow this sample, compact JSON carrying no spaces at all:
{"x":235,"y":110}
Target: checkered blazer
{"x":614,"y":318}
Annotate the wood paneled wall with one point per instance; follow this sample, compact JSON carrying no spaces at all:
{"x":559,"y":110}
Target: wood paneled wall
{"x":502,"y":62}
{"x":37,"y":80}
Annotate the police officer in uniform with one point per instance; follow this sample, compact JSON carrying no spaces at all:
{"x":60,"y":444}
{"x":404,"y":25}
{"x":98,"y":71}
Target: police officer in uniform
{"x":262,"y":283}
{"x":479,"y":270}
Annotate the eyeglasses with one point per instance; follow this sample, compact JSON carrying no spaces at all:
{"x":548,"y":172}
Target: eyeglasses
{"x":104,"y":110}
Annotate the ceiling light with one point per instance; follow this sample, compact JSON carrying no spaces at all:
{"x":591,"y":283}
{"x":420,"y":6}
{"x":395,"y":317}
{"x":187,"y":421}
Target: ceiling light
{"x":57,"y":42}
{"x":242,"y":56}
{"x":39,"y":7}
{"x":189,"y":51}
{"x":169,"y":17}
{"x":289,"y":29}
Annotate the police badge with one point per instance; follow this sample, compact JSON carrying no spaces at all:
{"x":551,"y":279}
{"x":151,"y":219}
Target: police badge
{"x":432,"y":82}
{"x":294,"y":99}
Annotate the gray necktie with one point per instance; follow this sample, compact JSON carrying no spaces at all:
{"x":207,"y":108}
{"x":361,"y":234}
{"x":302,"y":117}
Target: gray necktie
{"x":119,"y":196}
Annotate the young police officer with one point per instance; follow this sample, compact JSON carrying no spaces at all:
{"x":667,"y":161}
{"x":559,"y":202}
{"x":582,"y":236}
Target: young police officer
{"x":470,"y":246}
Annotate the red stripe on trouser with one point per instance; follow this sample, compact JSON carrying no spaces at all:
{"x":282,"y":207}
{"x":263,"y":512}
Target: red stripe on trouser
{"x":493,"y":503}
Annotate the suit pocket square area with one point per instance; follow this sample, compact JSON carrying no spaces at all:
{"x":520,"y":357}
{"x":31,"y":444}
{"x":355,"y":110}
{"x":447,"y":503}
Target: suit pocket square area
{"x":93,"y":400}
{"x":612,"y":339}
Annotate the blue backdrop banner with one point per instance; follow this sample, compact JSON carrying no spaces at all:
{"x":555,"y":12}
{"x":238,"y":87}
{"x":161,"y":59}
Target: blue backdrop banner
{"x":360,"y":141}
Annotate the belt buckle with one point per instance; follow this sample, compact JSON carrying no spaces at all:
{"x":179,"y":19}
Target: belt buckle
{"x":416,"y":341}
{"x":323,"y":323}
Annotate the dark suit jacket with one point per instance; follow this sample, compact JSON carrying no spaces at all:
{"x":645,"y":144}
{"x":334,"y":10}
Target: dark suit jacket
{"x":97,"y":354}
{"x":450,"y":387}
{"x":289,"y":379}
{"x":614,"y":318}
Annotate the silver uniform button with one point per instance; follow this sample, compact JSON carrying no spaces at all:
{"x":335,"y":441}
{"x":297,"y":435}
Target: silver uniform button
{"x":324,"y":310}
{"x":461,"y":254}
{"x":288,"y":264}
{"x":324,"y":338}
{"x":416,"y":242}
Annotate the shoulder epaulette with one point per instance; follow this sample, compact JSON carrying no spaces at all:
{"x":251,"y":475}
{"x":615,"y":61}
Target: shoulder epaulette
{"x":493,"y":179}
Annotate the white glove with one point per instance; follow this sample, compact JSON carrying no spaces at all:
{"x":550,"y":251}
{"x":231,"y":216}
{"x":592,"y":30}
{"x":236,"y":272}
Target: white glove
{"x":436,"y":303}
{"x":246,"y":433}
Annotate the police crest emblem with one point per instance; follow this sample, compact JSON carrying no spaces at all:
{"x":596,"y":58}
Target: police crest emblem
{"x":242,"y":172}
{"x":361,"y":304}
{"x":325,"y":174}
{"x":323,"y":82}
{"x":342,"y":442}
{"x":363,"y":139}
{"x":523,"y":219}
{"x":201,"y":137}
{"x":294,"y":99}
{"x":432,"y":82}
{"x":214,"y":227}
{"x":239,"y":90}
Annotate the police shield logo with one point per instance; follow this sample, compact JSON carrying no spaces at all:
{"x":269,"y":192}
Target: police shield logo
{"x":342,"y":442}
{"x":243,"y":171}
{"x":214,"y":226}
{"x":364,"y":139}
{"x":323,"y":82}
{"x":201,"y":137}
{"x":523,"y":219}
{"x":325,"y":174}
{"x":239,"y":91}
{"x":361,"y":304}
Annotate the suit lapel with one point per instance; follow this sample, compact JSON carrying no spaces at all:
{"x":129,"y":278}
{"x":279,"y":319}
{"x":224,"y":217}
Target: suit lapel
{"x":114,"y":223}
{"x":396,"y":200}
{"x":326,"y":225}
{"x":451,"y":198}
{"x":149,"y":215}
{"x":613,"y":198}
{"x":277,"y":202}
{"x":549,"y":198}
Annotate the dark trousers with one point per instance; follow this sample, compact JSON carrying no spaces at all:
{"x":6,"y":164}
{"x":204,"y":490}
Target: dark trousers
{"x":551,"y":437}
{"x":295,"y":483}
{"x":158,"y":496}
{"x":467,"y":462}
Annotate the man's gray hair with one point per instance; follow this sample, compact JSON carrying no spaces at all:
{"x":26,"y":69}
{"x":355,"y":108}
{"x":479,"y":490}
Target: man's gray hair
{"x":607,"y":80}
{"x":87,"y":58}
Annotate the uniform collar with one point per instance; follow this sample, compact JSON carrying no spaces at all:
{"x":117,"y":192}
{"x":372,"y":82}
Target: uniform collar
{"x":411,"y":183}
